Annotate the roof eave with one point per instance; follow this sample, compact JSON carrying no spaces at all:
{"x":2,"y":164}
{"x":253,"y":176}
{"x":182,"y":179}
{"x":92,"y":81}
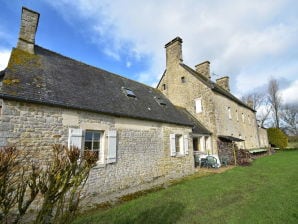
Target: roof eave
{"x":56,"y":104}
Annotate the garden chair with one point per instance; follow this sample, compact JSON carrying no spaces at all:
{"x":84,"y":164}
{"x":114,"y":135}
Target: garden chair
{"x":224,"y":161}
{"x":203,"y":162}
{"x":211,"y":162}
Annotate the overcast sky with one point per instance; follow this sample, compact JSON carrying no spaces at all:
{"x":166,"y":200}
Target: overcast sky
{"x":248,"y":40}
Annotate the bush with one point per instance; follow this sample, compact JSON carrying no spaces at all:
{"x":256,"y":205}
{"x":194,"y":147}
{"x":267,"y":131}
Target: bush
{"x":277,"y":138}
{"x":59,"y":183}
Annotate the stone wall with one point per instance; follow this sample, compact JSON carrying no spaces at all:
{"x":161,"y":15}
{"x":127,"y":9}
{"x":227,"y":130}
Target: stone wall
{"x":143,"y":153}
{"x":263,"y":138}
{"x":183,"y":88}
{"x":240,"y":122}
{"x":184,"y":94}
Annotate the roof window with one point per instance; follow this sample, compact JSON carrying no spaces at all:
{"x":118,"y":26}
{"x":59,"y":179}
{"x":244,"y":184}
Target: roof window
{"x":128,"y":92}
{"x":160,"y":101}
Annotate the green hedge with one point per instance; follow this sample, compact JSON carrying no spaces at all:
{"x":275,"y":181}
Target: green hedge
{"x":277,"y":138}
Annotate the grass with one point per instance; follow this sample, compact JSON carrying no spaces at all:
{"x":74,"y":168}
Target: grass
{"x":266,"y":192}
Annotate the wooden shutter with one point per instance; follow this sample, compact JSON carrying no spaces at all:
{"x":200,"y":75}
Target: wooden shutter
{"x":75,"y":137}
{"x":172,"y":145}
{"x":185,"y":139}
{"x":112,"y":146}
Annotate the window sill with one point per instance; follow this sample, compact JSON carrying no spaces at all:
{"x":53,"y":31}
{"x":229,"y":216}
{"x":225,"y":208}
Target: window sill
{"x":180,"y":155}
{"x":99,"y":165}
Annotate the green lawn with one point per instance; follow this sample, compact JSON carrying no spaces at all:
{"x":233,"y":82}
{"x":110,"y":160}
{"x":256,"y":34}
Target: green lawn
{"x":266,"y":192}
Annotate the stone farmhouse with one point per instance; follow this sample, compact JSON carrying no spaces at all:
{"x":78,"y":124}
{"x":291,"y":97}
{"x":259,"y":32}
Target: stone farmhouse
{"x":143,"y":136}
{"x":212,"y":104}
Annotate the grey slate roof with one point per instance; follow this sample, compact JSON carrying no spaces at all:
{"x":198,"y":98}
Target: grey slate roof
{"x":215,"y":87}
{"x":50,"y":78}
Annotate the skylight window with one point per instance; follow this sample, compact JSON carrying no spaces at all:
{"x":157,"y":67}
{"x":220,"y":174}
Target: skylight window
{"x":128,"y":92}
{"x":160,"y":101}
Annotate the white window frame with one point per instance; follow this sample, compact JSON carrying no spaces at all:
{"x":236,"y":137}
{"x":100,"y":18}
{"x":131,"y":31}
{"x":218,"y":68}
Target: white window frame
{"x":198,"y":105}
{"x":93,"y":141}
{"x":76,"y":138}
{"x":237,"y":115}
{"x":204,"y":143}
{"x":179,"y":145}
{"x":229,"y":113}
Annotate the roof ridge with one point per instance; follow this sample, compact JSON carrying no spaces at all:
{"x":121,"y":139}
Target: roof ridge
{"x":213,"y":85}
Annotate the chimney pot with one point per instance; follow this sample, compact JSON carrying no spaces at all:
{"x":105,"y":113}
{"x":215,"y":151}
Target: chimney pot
{"x":29,"y":23}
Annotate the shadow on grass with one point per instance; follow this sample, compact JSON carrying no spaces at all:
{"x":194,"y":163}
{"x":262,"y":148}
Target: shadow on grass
{"x":165,"y":213}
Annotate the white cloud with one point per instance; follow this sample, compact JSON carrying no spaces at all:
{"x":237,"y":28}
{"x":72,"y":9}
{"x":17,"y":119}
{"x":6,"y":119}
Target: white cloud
{"x":289,"y":95}
{"x":248,"y":40}
{"x":4,"y":57}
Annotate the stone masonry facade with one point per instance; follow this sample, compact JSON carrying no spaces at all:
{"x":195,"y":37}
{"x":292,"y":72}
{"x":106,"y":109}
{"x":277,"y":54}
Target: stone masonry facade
{"x":143,"y":147}
{"x":220,"y":114}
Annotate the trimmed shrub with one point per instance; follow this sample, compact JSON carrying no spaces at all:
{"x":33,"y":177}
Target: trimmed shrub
{"x":277,"y":138}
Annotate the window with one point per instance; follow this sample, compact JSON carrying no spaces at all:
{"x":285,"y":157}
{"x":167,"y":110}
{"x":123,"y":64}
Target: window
{"x":128,"y":92}
{"x":237,"y":116}
{"x":92,"y":141}
{"x":229,"y":113}
{"x":195,"y":142}
{"x":240,"y":144}
{"x":205,"y":145}
{"x":164,"y":86}
{"x":198,"y":105}
{"x":243,"y":117}
{"x":160,"y":101}
{"x":178,"y":144}
{"x":1,"y":102}
{"x":183,"y":79}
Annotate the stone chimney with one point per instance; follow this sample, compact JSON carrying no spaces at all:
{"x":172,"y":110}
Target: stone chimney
{"x":174,"y":52}
{"x":223,"y":82}
{"x":29,"y":23}
{"x":204,"y":69}
{"x":250,"y":103}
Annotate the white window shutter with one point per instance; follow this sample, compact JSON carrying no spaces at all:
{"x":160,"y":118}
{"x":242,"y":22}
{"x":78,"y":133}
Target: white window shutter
{"x":75,"y":137}
{"x":185,"y":144}
{"x":112,"y":146}
{"x":172,"y":145}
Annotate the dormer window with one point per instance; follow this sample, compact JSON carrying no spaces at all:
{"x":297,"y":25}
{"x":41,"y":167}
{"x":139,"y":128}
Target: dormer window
{"x":128,"y":92}
{"x":183,"y":79}
{"x":160,"y":101}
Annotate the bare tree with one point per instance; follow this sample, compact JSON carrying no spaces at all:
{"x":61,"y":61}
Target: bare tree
{"x":274,"y":98}
{"x":289,"y":116}
{"x":263,"y":114}
{"x":259,"y":102}
{"x":254,"y":99}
